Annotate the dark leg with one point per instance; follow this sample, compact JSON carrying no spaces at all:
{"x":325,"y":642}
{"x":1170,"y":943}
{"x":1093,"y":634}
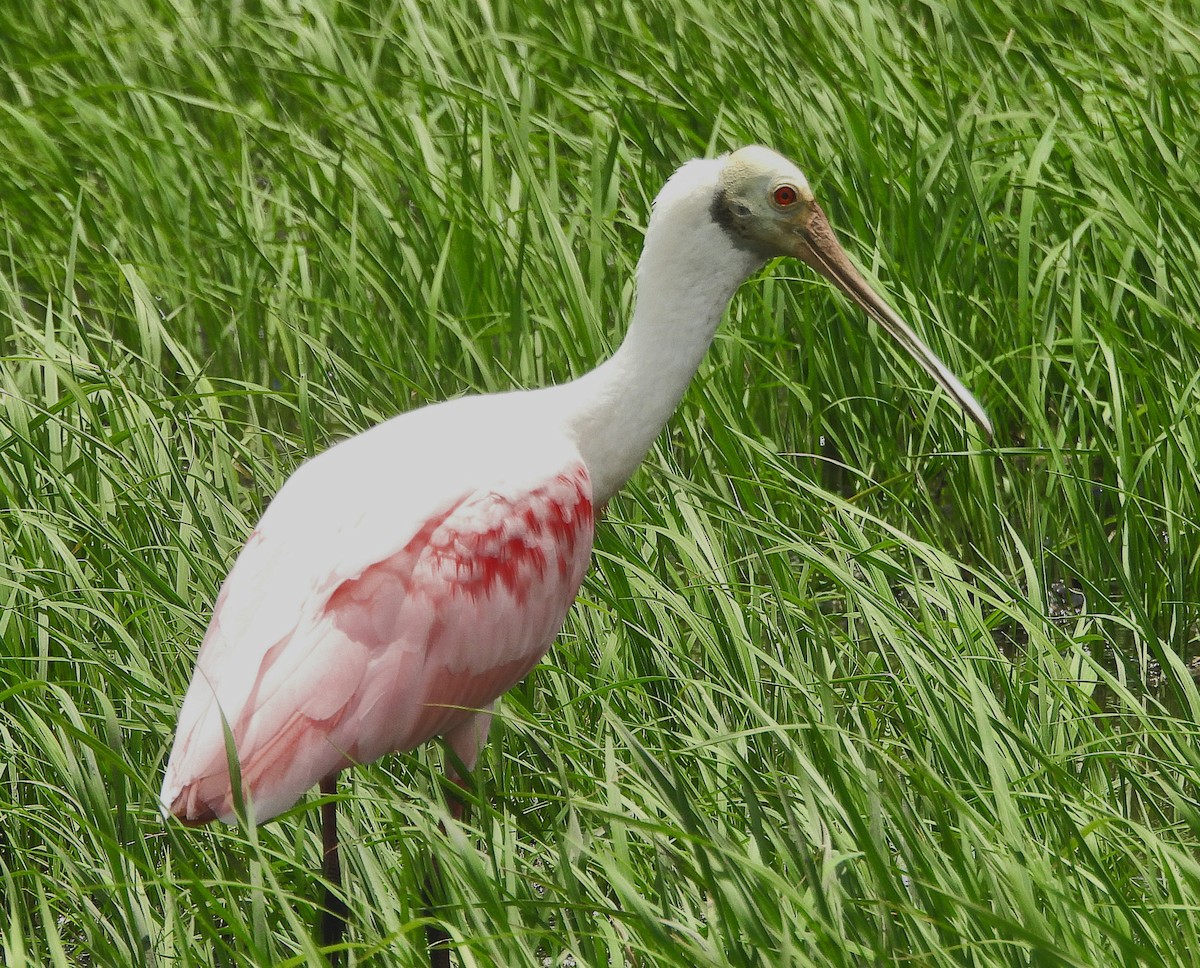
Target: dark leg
{"x":438,"y":939}
{"x":464,"y":743}
{"x":333,"y":918}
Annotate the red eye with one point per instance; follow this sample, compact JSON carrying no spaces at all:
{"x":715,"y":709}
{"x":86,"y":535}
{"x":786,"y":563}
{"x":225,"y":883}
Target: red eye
{"x":784,"y":196}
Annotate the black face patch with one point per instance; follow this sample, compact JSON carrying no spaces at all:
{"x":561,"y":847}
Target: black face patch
{"x":734,"y":219}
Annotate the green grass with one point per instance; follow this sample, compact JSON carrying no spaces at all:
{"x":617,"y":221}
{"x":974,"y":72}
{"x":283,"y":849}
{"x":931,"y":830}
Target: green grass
{"x":817,"y":704}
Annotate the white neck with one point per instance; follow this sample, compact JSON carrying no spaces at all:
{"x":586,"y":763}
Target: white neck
{"x":688,"y":272}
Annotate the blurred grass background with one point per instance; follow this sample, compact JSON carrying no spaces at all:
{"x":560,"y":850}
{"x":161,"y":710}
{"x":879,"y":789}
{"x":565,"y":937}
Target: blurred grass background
{"x":844,"y":687}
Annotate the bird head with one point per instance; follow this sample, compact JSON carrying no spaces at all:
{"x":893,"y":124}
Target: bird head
{"x":764,"y":204}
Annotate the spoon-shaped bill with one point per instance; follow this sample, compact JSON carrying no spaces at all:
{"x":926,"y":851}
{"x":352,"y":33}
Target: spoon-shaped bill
{"x":820,"y":249}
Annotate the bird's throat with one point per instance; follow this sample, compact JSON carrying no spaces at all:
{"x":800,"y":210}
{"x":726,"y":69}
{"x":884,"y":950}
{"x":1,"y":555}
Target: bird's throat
{"x":618,"y":409}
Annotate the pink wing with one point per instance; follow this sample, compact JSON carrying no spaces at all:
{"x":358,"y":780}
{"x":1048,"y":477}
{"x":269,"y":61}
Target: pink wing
{"x":316,"y":673}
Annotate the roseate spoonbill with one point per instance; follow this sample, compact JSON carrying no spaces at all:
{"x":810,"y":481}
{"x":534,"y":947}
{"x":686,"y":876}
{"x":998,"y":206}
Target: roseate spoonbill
{"x":401,"y":581}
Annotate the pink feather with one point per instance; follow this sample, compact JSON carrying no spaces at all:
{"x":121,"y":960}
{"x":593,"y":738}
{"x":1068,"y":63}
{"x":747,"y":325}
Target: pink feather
{"x":334,"y":642}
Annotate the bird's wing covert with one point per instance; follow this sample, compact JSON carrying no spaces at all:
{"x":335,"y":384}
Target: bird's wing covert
{"x":332,"y":644}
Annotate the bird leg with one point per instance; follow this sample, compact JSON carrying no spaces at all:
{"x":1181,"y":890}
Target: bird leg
{"x":435,"y":934}
{"x":333,"y":917}
{"x":464,"y":742}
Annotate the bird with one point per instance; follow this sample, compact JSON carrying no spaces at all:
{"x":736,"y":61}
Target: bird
{"x":402,"y":580}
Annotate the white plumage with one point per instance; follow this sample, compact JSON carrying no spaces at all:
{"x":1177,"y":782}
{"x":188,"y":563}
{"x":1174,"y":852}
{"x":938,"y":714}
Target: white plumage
{"x":403,"y":580}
